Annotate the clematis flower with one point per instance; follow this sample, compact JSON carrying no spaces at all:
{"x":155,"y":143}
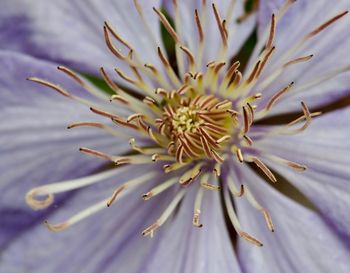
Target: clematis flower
{"x":183,"y":151}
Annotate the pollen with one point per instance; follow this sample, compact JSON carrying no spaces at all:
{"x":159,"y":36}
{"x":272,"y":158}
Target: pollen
{"x":195,"y":125}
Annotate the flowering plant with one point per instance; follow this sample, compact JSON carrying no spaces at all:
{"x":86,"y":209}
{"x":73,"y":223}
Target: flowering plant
{"x":188,"y":140}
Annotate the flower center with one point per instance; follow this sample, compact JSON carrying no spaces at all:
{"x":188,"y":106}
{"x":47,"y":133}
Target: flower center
{"x":196,"y":126}
{"x":185,"y":120}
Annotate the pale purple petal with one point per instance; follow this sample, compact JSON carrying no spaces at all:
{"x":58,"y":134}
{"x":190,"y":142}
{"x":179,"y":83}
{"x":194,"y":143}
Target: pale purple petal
{"x":111,"y":240}
{"x":35,"y":145}
{"x":70,"y":32}
{"x":185,"y":249}
{"x":302,"y":241}
{"x":104,"y":242}
{"x":324,"y":149}
{"x":238,"y":32}
{"x":329,"y":48}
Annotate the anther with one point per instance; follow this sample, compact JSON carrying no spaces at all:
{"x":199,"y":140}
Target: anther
{"x":265,"y":169}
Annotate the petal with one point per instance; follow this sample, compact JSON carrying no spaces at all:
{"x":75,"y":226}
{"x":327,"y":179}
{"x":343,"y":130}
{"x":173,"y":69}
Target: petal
{"x":71,"y":32}
{"x":329,"y":48}
{"x":116,"y":234}
{"x":302,"y":242}
{"x":35,"y":145}
{"x":185,"y":248}
{"x":103,"y":242}
{"x":238,"y":32}
{"x":323,"y":148}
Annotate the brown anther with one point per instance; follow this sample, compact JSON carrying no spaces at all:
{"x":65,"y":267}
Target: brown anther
{"x":326,"y":24}
{"x":72,"y":74}
{"x":220,"y":25}
{"x":298,"y":60}
{"x":150,"y":230}
{"x":199,"y":27}
{"x":265,"y":60}
{"x":56,"y":227}
{"x":272,"y":32}
{"x":149,"y":101}
{"x":162,"y":57}
{"x":111,"y":46}
{"x":209,"y":186}
{"x":239,"y":155}
{"x":248,"y":140}
{"x":246,"y":119}
{"x":232,"y":70}
{"x":152,"y":68}
{"x":167,"y":25}
{"x":277,"y":96}
{"x":115,"y":195}
{"x":122,"y":161}
{"x":118,"y":37}
{"x":108,"y":80}
{"x":120,"y":99}
{"x":296,"y":166}
{"x":104,"y":113}
{"x":188,"y":54}
{"x":265,"y":169}
{"x":51,"y":85}
{"x":268,"y":219}
{"x":134,"y":116}
{"x":315,"y":114}
{"x":96,"y":153}
{"x":254,"y":73}
{"x":147,"y":196}
{"x":81,"y":124}
{"x":195,"y":220}
{"x":250,"y":238}
{"x":125,"y":77}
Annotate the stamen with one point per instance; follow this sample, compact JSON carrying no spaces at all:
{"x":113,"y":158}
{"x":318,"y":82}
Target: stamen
{"x":254,"y":73}
{"x":233,"y":189}
{"x":298,"y":60}
{"x":97,"y":154}
{"x":220,"y":25}
{"x":165,"y":215}
{"x":51,"y":85}
{"x":251,"y":199}
{"x":234,"y":220}
{"x":199,"y":27}
{"x":119,"y":38}
{"x":120,"y":99}
{"x":315,"y":114}
{"x":189,"y":55}
{"x":197,"y":208}
{"x":98,"y":125}
{"x":325,"y":25}
{"x":265,"y":169}
{"x":272,"y":32}
{"x":277,"y":96}
{"x":160,"y":188}
{"x":48,"y":190}
{"x":129,"y":184}
{"x":167,"y":25}
{"x":189,"y":176}
{"x":76,"y":218}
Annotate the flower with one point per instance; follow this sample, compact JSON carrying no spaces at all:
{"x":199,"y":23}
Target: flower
{"x":197,"y":128}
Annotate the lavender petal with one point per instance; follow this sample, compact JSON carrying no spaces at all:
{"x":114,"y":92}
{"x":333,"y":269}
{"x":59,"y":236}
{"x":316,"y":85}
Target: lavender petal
{"x":302,"y":241}
{"x":35,"y":145}
{"x":329,"y":49}
{"x":71,"y":33}
{"x":323,"y":148}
